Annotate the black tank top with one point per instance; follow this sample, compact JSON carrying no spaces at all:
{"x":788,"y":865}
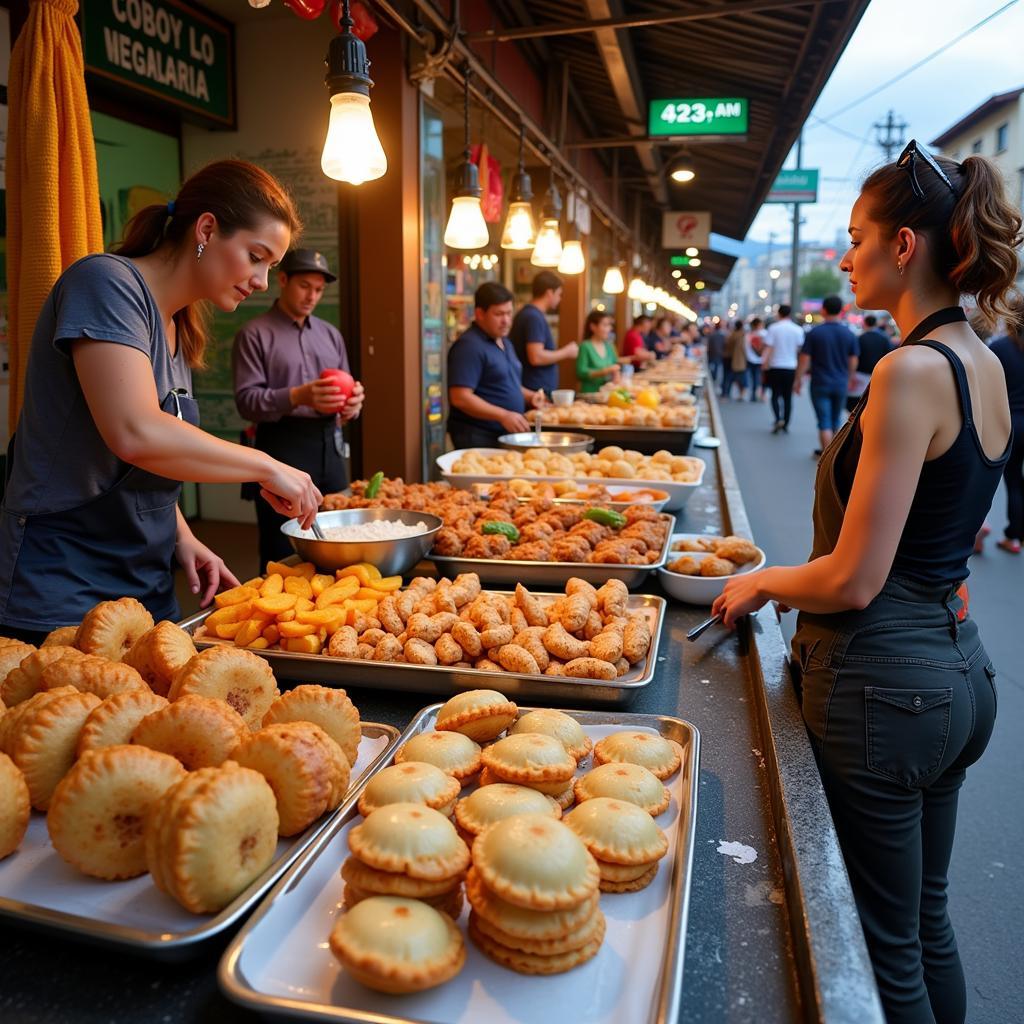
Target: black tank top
{"x":954,"y":492}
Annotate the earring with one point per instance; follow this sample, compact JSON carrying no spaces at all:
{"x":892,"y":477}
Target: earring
{"x":202,"y":246}
{"x":899,"y":267}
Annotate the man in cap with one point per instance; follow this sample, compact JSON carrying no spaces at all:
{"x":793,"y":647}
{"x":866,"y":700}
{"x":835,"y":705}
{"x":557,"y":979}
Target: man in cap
{"x":278,"y":360}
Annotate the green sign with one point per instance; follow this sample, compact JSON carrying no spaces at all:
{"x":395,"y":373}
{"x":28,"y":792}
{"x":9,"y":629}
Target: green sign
{"x":679,"y":261}
{"x":165,"y":48}
{"x":705,"y":116}
{"x":795,"y":186}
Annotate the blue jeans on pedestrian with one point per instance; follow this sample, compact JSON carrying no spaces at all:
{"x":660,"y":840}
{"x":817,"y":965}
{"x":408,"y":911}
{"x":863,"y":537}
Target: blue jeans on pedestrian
{"x":828,"y":406}
{"x":754,"y":370}
{"x":714,"y":368}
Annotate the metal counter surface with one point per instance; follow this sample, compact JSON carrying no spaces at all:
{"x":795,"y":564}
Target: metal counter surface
{"x":741,"y":967}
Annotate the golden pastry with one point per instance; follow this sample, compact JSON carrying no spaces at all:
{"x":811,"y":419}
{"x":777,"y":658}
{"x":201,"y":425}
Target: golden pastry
{"x":582,"y":936}
{"x":648,"y":749}
{"x":411,"y":782}
{"x":96,"y":817}
{"x":159,"y":654}
{"x":558,"y":725}
{"x":449,"y":903}
{"x":199,"y":731}
{"x":11,"y":656}
{"x":394,"y":883}
{"x":111,"y":627}
{"x":618,"y":832}
{"x":114,"y":721}
{"x":715,"y":566}
{"x":15,"y":806}
{"x":533,"y":963}
{"x":453,"y":753}
{"x":326,"y":706}
{"x":27,"y":677}
{"x":623,"y":781}
{"x":737,"y":550}
{"x":479,"y":714}
{"x":91,"y":674}
{"x":631,"y":886}
{"x":398,"y":945}
{"x":412,"y":839}
{"x":530,"y":758}
{"x":10,"y":720}
{"x":685,"y":566}
{"x":238,"y":677}
{"x":489,"y":804}
{"x":62,"y":636}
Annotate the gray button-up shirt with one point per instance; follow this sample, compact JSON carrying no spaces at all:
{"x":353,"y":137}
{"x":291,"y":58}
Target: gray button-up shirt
{"x":273,"y":353}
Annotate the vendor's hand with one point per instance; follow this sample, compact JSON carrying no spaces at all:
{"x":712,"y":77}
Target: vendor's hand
{"x":514,"y":423}
{"x":537,"y":399}
{"x":205,"y":571}
{"x":570,"y":351}
{"x":321,"y":394}
{"x":741,"y":596}
{"x":291,"y":493}
{"x":354,"y":406}
{"x":612,"y":371}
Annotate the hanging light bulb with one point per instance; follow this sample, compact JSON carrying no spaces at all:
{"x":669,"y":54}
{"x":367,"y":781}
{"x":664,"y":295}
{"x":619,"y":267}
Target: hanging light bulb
{"x":548,"y":250}
{"x":692,"y":251}
{"x":636,"y":289}
{"x":352,"y":151}
{"x":466,"y":228}
{"x":613,"y":283}
{"x":572,"y":261}
{"x":520,"y":232}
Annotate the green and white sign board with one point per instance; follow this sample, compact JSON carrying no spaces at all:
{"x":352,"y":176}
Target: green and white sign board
{"x":167,"y":49}
{"x":795,"y":186}
{"x":698,"y":116}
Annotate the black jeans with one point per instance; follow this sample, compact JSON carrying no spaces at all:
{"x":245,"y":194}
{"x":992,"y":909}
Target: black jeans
{"x":1014,"y":480}
{"x":781,"y":383}
{"x":899,"y":700}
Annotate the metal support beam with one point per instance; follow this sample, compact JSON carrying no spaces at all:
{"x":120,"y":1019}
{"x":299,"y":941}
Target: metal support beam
{"x":618,"y":141}
{"x":571,"y":28}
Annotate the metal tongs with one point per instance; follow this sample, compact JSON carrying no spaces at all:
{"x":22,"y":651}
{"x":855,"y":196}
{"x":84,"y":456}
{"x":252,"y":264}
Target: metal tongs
{"x":703,"y":627}
{"x":538,"y":427}
{"x":317,"y":531}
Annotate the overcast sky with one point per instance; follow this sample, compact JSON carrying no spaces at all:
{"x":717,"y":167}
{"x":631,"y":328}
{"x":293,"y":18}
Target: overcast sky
{"x":893,"y":35}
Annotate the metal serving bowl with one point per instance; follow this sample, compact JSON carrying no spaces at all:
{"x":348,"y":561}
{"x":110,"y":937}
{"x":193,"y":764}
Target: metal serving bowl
{"x":391,"y":557}
{"x":556,"y":440}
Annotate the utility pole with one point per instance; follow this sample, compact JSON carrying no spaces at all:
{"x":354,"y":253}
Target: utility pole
{"x":794,"y":286}
{"x":893,"y":138}
{"x":771,"y":249}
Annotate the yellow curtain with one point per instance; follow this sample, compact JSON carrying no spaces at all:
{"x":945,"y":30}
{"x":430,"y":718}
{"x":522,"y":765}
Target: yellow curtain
{"x":53,"y":202}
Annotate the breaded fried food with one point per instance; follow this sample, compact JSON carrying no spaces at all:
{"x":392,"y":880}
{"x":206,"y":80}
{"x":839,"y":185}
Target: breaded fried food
{"x":62,"y":636}
{"x":737,"y":550}
{"x":687,"y":566}
{"x":112,"y":627}
{"x":159,"y":654}
{"x":714,"y":566}
{"x":26,"y":678}
{"x":11,"y":656}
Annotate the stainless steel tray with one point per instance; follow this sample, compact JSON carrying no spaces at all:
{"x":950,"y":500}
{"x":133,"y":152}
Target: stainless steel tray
{"x":441,"y":679}
{"x":39,"y":891}
{"x":646,"y":440}
{"x":279,"y":962}
{"x":509,"y":572}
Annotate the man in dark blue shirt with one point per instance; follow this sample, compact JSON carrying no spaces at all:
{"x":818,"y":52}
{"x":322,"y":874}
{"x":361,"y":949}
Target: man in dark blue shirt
{"x":830,"y":352}
{"x":485,"y":391}
{"x":873,"y":345}
{"x":532,"y":338}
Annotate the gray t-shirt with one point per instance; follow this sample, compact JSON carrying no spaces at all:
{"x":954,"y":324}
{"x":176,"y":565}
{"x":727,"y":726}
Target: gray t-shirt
{"x":60,"y":459}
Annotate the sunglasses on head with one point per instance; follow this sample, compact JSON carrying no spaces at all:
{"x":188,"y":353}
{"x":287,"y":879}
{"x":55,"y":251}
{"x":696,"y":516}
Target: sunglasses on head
{"x":908,"y":159}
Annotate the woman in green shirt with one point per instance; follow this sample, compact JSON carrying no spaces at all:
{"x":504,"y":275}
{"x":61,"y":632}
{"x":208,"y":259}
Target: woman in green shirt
{"x":597,"y":359}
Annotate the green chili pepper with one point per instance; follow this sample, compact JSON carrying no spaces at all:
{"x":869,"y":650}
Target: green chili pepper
{"x":606,"y":517}
{"x":374,"y":485}
{"x":505,"y":529}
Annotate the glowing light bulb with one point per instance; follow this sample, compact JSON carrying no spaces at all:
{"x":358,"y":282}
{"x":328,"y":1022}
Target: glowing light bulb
{"x":613,"y":283}
{"x":352,"y":151}
{"x":572,"y":261}
{"x":466,"y":227}
{"x":520,"y":230}
{"x":548,"y":250}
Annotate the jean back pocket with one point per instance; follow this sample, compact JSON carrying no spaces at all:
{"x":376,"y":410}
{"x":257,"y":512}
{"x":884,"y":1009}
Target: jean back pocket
{"x":907,"y":731}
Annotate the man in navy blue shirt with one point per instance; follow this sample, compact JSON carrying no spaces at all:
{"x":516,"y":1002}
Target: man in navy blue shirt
{"x":830,"y":352}
{"x":485,"y":391}
{"x":532,"y":338}
{"x":873,"y":345}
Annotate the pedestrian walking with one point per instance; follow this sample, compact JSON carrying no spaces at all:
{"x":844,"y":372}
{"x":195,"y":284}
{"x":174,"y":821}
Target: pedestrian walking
{"x":735,"y":356}
{"x":716,"y":352}
{"x":830,"y":354}
{"x":873,"y":344}
{"x":1009,"y":350}
{"x":755,"y":350}
{"x":783,"y":341}
{"x":897,"y":690}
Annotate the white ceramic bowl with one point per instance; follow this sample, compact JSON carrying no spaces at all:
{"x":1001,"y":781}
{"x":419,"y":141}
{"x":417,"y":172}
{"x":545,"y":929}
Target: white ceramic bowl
{"x":700,"y":590}
{"x":563,"y":396}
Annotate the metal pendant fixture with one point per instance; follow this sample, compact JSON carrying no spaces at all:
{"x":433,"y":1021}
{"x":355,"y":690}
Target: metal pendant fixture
{"x":520,"y":232}
{"x":681,"y":170}
{"x":548,"y":250}
{"x":614,"y":283}
{"x":352,"y":151}
{"x":572,"y":261}
{"x":466,"y":228}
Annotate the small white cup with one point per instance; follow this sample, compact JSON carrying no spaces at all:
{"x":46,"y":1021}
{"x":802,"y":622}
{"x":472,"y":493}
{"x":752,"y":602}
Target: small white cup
{"x":563,"y":396}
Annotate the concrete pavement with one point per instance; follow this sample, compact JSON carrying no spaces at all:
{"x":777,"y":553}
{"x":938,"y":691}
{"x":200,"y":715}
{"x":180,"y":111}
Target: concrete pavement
{"x":776,"y":474}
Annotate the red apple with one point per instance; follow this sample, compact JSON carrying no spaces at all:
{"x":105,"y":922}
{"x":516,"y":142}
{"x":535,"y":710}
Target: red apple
{"x":342,"y":380}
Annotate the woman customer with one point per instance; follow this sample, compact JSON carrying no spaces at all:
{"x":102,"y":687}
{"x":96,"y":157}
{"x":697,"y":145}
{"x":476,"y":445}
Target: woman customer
{"x":755,"y":348}
{"x":597,"y":361}
{"x":898,"y":693}
{"x":1009,"y":350}
{"x":109,"y":428}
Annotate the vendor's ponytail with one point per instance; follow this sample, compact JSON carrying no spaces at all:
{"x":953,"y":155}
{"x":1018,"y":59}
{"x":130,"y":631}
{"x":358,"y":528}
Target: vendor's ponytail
{"x":240,"y":195}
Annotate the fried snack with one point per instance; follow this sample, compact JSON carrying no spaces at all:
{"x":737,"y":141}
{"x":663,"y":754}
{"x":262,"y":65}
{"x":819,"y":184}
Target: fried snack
{"x":590,"y":668}
{"x":410,"y":838}
{"x":653,"y":752}
{"x":513,"y":658}
{"x":159,"y":654}
{"x":631,"y":783}
{"x":112,"y":723}
{"x":296,"y":766}
{"x":341,"y":770}
{"x":449,"y":903}
{"x":737,"y":550}
{"x":636,"y":639}
{"x":15,"y":806}
{"x":531,"y":608}
{"x":489,"y":804}
{"x":112,"y":627}
{"x":455,"y":754}
{"x":607,"y":645}
{"x":214,"y":833}
{"x":11,"y":719}
{"x":44,"y":747}
{"x":715,"y":566}
{"x":591,"y":929}
{"x":558,"y":725}
{"x":96,"y":817}
{"x":199,"y":731}
{"x":618,"y":832}
{"x":90,"y":673}
{"x":630,"y":885}
{"x":62,"y":636}
{"x":612,"y":597}
{"x":240,"y":678}
{"x":372,"y":882}
{"x":325,"y":706}
{"x":575,"y":585}
{"x":344,"y":643}
{"x":411,"y":782}
{"x":27,"y":678}
{"x":686,"y":566}
{"x":397,"y":945}
{"x":562,"y":644}
{"x":533,"y":861}
{"x":697,"y":544}
{"x":11,"y":656}
{"x":479,"y":714}
{"x":529,"y":758}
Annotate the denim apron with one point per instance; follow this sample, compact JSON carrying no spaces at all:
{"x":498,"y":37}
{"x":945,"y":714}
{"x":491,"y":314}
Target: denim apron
{"x":118,"y":544}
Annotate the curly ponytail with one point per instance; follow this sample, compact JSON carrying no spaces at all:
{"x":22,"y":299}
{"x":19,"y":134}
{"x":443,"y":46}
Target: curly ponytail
{"x":240,"y":195}
{"x":973,"y":235}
